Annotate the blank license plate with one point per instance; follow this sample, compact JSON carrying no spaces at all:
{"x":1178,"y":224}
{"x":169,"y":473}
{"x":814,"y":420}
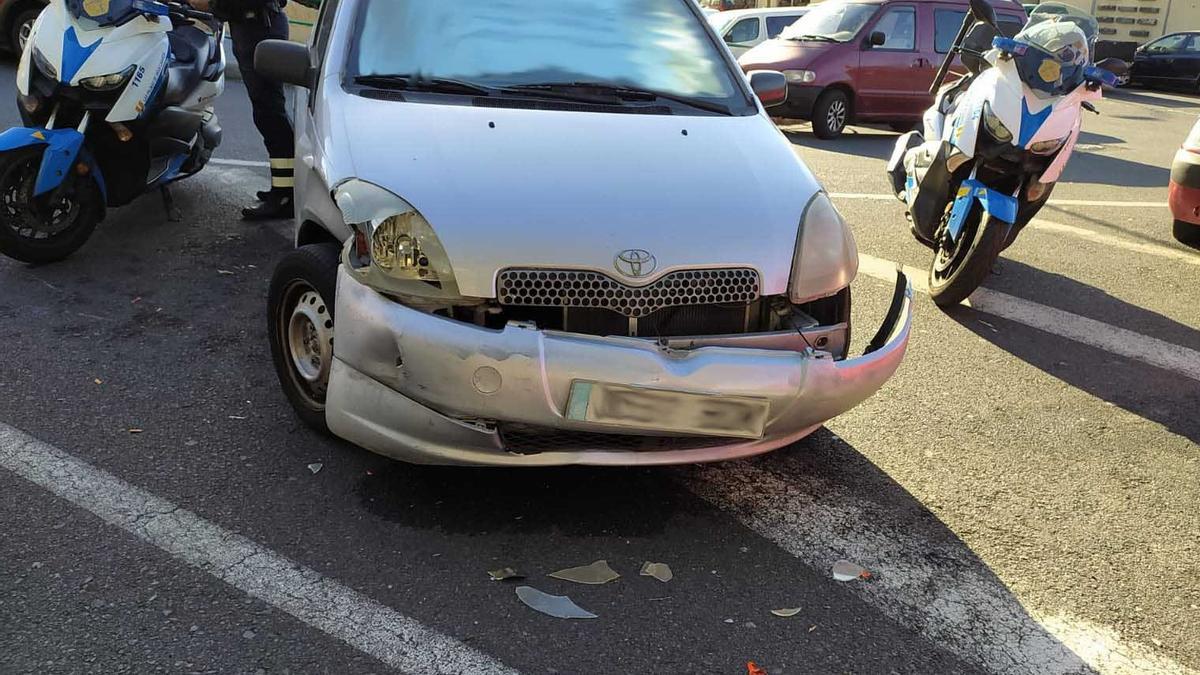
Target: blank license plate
{"x":670,"y":411}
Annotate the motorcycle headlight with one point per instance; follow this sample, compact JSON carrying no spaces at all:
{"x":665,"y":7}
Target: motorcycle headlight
{"x":1047,"y":147}
{"x":800,"y":76}
{"x":43,"y":64}
{"x":826,"y":258}
{"x":400,"y":242}
{"x":994,"y":126}
{"x":108,"y":82}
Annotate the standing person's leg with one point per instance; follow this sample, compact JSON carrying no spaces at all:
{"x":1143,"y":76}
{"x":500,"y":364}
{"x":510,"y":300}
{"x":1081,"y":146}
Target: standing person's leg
{"x":269,"y":105}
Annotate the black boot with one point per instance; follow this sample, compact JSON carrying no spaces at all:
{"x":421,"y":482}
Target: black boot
{"x":276,"y":205}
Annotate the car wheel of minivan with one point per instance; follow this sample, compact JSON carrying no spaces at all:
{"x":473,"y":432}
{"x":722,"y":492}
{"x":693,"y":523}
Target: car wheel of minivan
{"x":300,"y":306}
{"x":21,"y":28}
{"x":830,"y":114}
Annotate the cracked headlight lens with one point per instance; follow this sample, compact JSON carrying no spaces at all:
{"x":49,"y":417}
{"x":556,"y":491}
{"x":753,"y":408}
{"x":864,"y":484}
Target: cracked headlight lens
{"x":398,"y":239}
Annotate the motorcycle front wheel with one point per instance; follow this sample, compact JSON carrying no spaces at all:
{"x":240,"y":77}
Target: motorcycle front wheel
{"x":960,"y":267}
{"x":43,"y":229}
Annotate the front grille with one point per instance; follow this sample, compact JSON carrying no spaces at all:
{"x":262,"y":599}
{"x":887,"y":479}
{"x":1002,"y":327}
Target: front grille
{"x":573,"y":288}
{"x":525,"y":439}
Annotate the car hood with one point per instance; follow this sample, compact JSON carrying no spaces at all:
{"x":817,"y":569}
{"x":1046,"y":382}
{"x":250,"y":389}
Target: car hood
{"x":556,"y":189}
{"x":784,"y":55}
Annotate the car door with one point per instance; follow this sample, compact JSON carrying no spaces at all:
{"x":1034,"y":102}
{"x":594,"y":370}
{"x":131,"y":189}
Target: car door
{"x":1156,"y":59}
{"x":1184,"y":66}
{"x":744,"y":34}
{"x":890,"y":75}
{"x":311,"y":189}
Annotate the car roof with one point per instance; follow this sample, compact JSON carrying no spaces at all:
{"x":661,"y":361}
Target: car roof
{"x":764,"y":11}
{"x":998,"y":4}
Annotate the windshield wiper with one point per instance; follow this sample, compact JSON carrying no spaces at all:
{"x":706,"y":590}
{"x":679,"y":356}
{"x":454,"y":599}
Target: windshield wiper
{"x":440,"y":85}
{"x":581,"y":90}
{"x":813,"y":38}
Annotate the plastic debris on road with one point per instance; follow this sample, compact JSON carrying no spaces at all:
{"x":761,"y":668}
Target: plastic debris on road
{"x":557,"y":606}
{"x":844,"y":570}
{"x":753,"y":668}
{"x":316,"y":467}
{"x":786,"y":612}
{"x":660,"y":571}
{"x":505,"y":573}
{"x":595,"y":574}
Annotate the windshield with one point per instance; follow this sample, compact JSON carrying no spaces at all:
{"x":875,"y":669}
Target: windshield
{"x":654,"y":45}
{"x":1059,"y":40}
{"x":92,"y":14}
{"x":832,"y":20}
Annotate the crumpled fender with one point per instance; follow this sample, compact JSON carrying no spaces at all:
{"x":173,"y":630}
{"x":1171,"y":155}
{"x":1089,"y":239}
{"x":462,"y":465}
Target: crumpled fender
{"x":63,"y":147}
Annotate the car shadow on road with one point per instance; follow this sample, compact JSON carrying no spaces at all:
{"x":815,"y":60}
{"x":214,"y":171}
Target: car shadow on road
{"x":874,"y":145}
{"x":1163,"y":396}
{"x":1102,"y":169}
{"x":743,"y":537}
{"x":1148,"y":98}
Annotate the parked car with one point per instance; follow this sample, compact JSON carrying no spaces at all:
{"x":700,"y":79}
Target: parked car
{"x":742,"y":29}
{"x":1184,"y":195}
{"x":521,"y":251}
{"x":1172,"y":61}
{"x":867,"y":60}
{"x":16,"y":22}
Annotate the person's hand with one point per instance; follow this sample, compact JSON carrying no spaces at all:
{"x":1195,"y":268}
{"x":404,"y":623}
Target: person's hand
{"x":202,"y":5}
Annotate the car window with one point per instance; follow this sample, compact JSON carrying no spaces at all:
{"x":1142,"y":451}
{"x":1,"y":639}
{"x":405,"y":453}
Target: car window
{"x":1193,"y":45}
{"x":776,"y":24}
{"x":946,"y":23}
{"x":899,"y":28}
{"x":1171,"y":43}
{"x":745,"y":30}
{"x":656,"y":45}
{"x":837,"y":21}
{"x":1010,"y":26}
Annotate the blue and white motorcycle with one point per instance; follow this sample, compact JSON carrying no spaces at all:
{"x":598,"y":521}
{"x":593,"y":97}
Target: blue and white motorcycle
{"x":996,"y":141}
{"x":117,"y":97}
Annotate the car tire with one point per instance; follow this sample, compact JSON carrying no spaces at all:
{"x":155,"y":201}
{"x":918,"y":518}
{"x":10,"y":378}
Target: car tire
{"x":300,"y":308}
{"x":1187,"y":233}
{"x":21,"y":24}
{"x":903,"y":127}
{"x":830,"y":114}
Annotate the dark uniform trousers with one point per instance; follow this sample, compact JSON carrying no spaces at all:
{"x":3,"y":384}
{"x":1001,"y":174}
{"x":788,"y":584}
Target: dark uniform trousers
{"x":248,"y":29}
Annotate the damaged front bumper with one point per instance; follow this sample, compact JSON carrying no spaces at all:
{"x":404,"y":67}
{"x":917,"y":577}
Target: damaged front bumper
{"x":431,"y":390}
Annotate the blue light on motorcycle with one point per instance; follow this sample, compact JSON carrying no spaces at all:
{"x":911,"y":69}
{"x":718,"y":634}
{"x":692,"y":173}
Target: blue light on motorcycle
{"x":151,"y":7}
{"x":1009,"y":46}
{"x":1100,"y":76}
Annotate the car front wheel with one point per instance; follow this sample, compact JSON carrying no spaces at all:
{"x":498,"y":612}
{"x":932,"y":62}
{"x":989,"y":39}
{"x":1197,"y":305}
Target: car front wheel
{"x":300,"y":307}
{"x":830,"y":114}
{"x":1187,"y":233}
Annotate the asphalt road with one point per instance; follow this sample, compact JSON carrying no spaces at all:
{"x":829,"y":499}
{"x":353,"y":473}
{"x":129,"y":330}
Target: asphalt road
{"x":1024,"y":492}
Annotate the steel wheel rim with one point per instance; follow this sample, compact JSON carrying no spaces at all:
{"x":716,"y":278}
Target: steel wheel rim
{"x":24,"y":32}
{"x":308,"y":339}
{"x":836,"y":119}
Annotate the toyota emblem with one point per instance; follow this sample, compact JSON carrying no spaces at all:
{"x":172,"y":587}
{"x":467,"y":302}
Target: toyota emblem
{"x":635,"y":263}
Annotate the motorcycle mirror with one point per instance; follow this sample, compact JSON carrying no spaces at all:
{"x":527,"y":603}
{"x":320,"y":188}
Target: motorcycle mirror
{"x":982,"y":11}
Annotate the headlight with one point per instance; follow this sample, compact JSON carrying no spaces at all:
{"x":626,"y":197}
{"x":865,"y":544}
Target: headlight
{"x":826,"y":258}
{"x":800,"y":76}
{"x":401,"y":243}
{"x":994,"y":126}
{"x":108,"y":82}
{"x":43,"y":64}
{"x":1047,"y":147}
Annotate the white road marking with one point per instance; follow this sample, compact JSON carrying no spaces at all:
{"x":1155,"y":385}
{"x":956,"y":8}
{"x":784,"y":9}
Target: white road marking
{"x":936,"y":586}
{"x":1053,"y":202}
{"x":1120,"y":341}
{"x":239,"y":162}
{"x":1159,"y":250}
{"x":397,"y":640}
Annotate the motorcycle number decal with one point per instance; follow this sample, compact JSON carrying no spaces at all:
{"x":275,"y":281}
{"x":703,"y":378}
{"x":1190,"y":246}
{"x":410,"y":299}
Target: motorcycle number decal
{"x":95,"y":7}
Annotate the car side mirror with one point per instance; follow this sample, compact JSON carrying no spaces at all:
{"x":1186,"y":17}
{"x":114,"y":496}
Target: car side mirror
{"x":770,"y":86}
{"x":284,"y":61}
{"x":876,"y":39}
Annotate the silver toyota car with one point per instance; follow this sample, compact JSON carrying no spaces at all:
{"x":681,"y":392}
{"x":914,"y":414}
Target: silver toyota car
{"x":557,"y":233}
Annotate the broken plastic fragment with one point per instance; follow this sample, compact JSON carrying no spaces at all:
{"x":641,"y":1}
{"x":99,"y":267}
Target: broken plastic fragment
{"x":506,"y":573}
{"x":786,"y":612}
{"x":135,"y":431}
{"x":660,"y":571}
{"x":844,"y":570}
{"x":753,"y":668}
{"x":557,"y":606}
{"x":595,"y":574}
{"x":315,"y":467}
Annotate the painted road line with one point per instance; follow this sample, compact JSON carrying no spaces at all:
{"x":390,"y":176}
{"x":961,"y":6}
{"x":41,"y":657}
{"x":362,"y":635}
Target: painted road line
{"x":1053,"y":202}
{"x":934,"y":585}
{"x":1083,"y":330}
{"x":239,"y":162}
{"x":397,"y":640}
{"x":1159,"y":250}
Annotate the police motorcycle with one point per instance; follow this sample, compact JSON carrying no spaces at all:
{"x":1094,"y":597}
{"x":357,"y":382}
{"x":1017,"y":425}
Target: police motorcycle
{"x":996,"y":141}
{"x":117,"y":98}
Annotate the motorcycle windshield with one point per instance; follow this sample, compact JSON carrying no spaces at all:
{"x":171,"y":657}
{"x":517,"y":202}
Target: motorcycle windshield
{"x":1057,"y":51}
{"x":92,"y":14}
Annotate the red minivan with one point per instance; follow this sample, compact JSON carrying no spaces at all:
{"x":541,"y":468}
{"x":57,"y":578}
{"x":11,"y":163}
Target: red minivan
{"x":867,"y":60}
